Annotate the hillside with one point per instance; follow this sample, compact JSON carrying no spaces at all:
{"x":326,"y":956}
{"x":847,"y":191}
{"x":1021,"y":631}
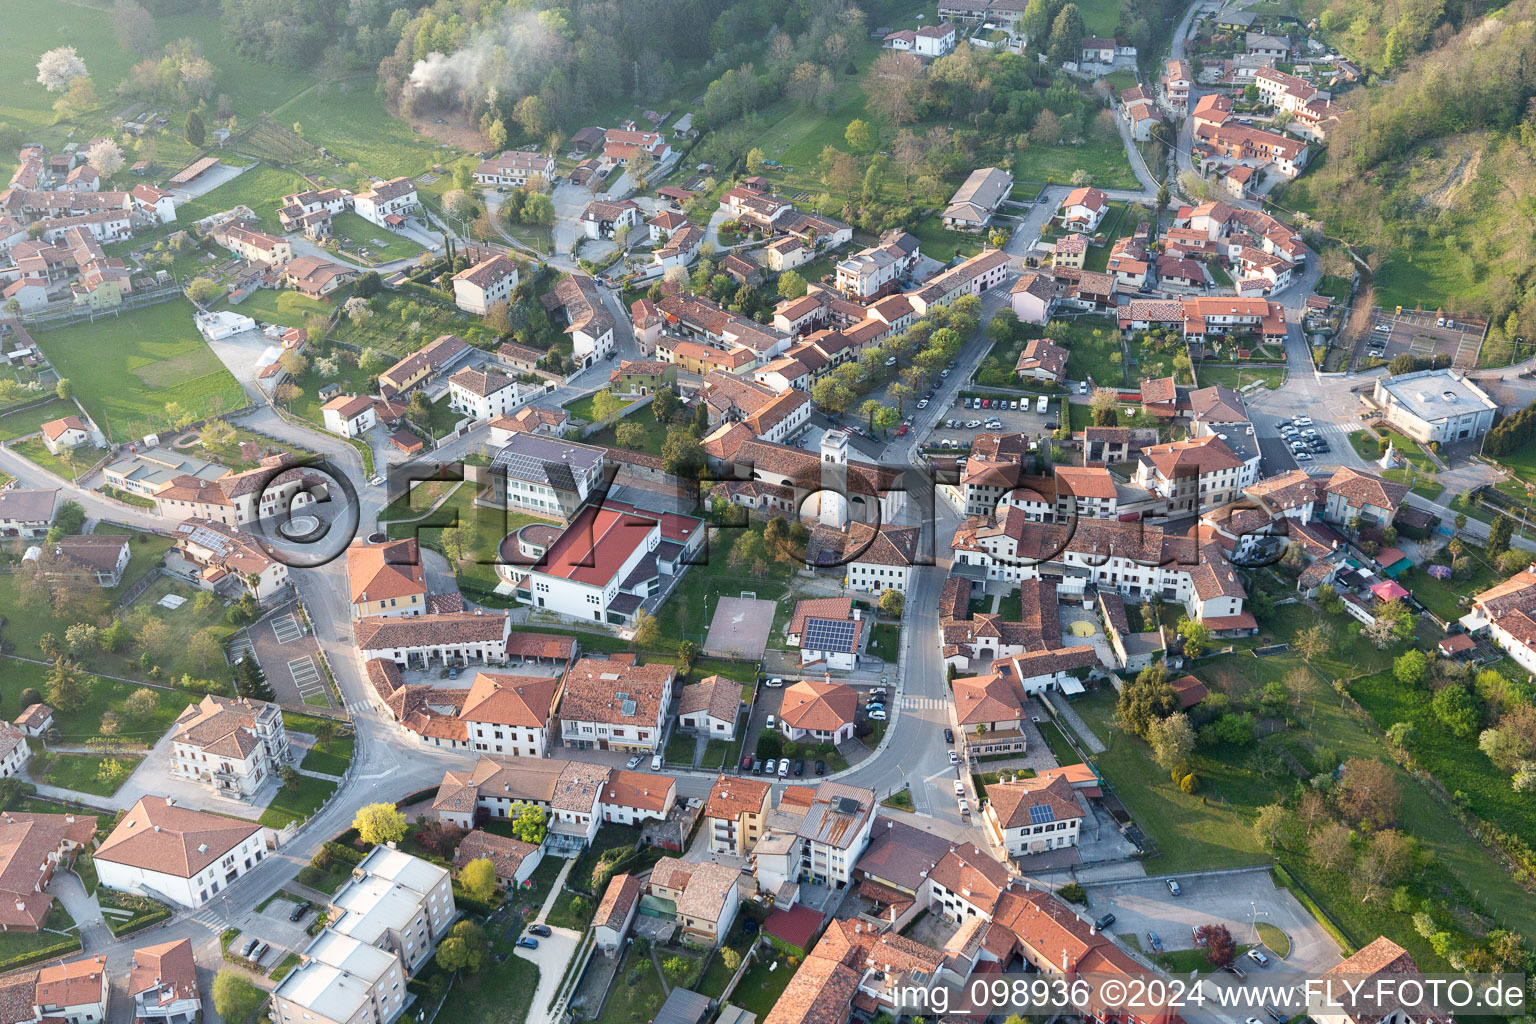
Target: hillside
{"x":1430,"y":175}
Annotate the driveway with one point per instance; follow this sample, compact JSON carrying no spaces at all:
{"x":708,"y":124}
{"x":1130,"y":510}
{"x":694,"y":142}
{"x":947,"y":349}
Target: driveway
{"x":69,"y":890}
{"x":1231,"y":898}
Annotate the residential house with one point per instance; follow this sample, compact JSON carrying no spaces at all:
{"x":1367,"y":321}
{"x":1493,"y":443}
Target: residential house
{"x":1176,"y":80}
{"x":483,"y":394}
{"x":829,"y":631}
{"x":387,"y":203}
{"x":1083,"y":209}
{"x":514,"y":168}
{"x":588,"y":321}
{"x":1033,"y":815}
{"x":1379,"y":961}
{"x":228,"y":560}
{"x":1352,"y":495}
{"x":386,"y":579}
{"x":163,"y":983}
{"x":605,"y":218}
{"x":1043,"y":360}
{"x":616,"y":911}
{"x":736,"y":813}
{"x":32,"y":846}
{"x":315,"y":277}
{"x":1197,"y":474}
{"x":704,"y":894}
{"x":486,"y":285}
{"x":818,"y":712}
{"x":615,"y":704}
{"x":510,"y":714}
{"x":74,"y":992}
{"x":512,"y":859}
{"x":350,"y":415}
{"x":1034,"y":297}
{"x":252,"y":245}
{"x":35,"y":719}
{"x":710,"y":707}
{"x":417,"y":641}
{"x":442,"y":352}
{"x":641,"y":378}
{"x":630,"y":798}
{"x":341,"y":980}
{"x":179,"y":854}
{"x":234,"y":746}
{"x":870,"y":558}
{"x":61,"y":435}
{"x":394,"y":902}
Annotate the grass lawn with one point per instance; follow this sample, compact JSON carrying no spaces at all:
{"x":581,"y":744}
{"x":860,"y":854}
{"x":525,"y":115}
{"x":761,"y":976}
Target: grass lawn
{"x":500,"y":994}
{"x":1274,"y":939}
{"x":105,"y":695}
{"x":329,"y":762}
{"x":1365,"y":446}
{"x":286,"y":307}
{"x":637,"y":991}
{"x":297,"y":804}
{"x":1183,"y":961}
{"x":260,"y":187}
{"x":1060,"y":748}
{"x":483,"y":530}
{"x":67,"y":464}
{"x":686,"y":614}
{"x":883,"y":641}
{"x":14,"y":944}
{"x":1092,"y":350}
{"x":762,"y":985}
{"x":359,"y":236}
{"x":1105,"y":163}
{"x":940,"y":242}
{"x":347,"y":118}
{"x":716,"y":752}
{"x":680,"y":749}
{"x":29,"y":421}
{"x":126,"y":369}
{"x":1011,"y":607}
{"x":1237,"y":376}
{"x":229,"y":454}
{"x":78,"y":772}
{"x":655,"y":433}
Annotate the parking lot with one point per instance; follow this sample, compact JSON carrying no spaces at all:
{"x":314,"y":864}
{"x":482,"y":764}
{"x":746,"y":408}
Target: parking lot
{"x":1237,"y":899}
{"x":290,"y":658}
{"x":1421,"y":334}
{"x":1026,"y":419}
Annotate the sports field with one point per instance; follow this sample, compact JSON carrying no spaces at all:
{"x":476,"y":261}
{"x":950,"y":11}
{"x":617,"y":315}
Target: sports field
{"x":125,"y":369}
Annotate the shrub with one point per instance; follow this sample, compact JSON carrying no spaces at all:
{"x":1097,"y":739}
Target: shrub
{"x":1190,"y":783}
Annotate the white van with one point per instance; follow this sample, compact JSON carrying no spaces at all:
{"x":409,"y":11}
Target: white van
{"x":1041,"y":403}
{"x":656,"y":763}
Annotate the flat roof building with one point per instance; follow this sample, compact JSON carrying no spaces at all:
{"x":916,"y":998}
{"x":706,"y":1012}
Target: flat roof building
{"x":1435,"y":405}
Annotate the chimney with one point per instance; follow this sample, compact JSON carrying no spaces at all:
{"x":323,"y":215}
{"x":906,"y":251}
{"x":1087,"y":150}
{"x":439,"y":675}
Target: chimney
{"x":1064,"y":959}
{"x":157,"y":828}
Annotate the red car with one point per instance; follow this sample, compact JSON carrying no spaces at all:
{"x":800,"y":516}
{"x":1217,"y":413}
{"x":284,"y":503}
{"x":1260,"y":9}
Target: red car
{"x":901,"y":431}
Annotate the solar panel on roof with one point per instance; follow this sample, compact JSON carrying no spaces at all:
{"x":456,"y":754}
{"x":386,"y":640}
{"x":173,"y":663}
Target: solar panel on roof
{"x":828,"y":635}
{"x":628,"y":708}
{"x":1039,"y":814}
{"x":847,"y":805}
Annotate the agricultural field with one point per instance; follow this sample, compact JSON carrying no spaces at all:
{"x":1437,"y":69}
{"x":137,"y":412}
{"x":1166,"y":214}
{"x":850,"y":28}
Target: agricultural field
{"x":260,"y":187}
{"x":125,"y":369}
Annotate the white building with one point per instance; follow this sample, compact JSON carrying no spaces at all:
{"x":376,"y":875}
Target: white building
{"x":613,"y":704}
{"x":1435,"y":405}
{"x":509,"y":714}
{"x":349,"y":415}
{"x":617,"y":910}
{"x":1033,"y":815}
{"x":387,"y":203}
{"x":75,"y":993}
{"x":545,"y":475}
{"x":234,"y":746}
{"x":176,"y":853}
{"x":710,"y":707}
{"x":14,"y":751}
{"x":163,"y":984}
{"x":418,"y":641}
{"x":486,"y":285}
{"x":514,"y":168}
{"x":27,"y":513}
{"x":341,"y":981}
{"x":483,"y":394}
{"x":395,"y":902}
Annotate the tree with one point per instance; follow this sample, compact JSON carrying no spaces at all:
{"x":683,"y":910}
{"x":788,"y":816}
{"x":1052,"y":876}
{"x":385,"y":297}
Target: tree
{"x":1172,"y":739}
{"x":860,"y":136}
{"x":629,"y":435}
{"x":606,"y":404}
{"x":1104,"y":406}
{"x":1146,"y":699}
{"x":891,"y":603}
{"x":1274,"y":827}
{"x":1219,"y":947}
{"x":203,"y":290}
{"x":1066,"y":35}
{"x":106,"y":157}
{"x":1499,"y":534}
{"x":66,"y":687}
{"x":791,"y":285}
{"x":1368,"y":791}
{"x":194,"y":129}
{"x":82,"y":639}
{"x":676,"y":967}
{"x":530,"y":824}
{"x":1196,"y":634}
{"x":647,"y":629}
{"x":59,"y":67}
{"x":682,"y":454}
{"x":1313,"y":642}
{"x":379,"y":823}
{"x":205,"y":652}
{"x":134,"y":27}
{"x":895,"y":76}
{"x":1330,"y":846}
{"x":1411,"y":668}
{"x":476,"y":944}
{"x":460,"y":204}
{"x":755,"y":161}
{"x":235,"y":998}
{"x":155,"y":638}
{"x":1454,"y":707}
{"x":479,"y":879}
{"x":141,"y":703}
{"x":251,"y":681}
{"x":730,"y":958}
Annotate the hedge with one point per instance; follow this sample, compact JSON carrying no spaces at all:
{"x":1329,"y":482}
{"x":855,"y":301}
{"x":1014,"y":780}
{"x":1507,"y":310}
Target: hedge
{"x":39,"y":955}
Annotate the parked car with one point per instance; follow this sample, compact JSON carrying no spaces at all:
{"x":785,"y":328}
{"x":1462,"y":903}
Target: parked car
{"x":922,"y":403}
{"x":949,"y":735}
{"x":901,"y":431}
{"x":746,"y":763}
{"x":1303,"y":421}
{"x":298,"y":911}
{"x":1303,"y":456}
{"x":527,"y":943}
{"x":799,"y":766}
{"x":821,"y":767}
{"x":774,"y":683}
{"x":965,"y":808}
{"x":770,"y":766}
{"x":1104,"y":922}
{"x":959,"y":788}
{"x":1173,"y":887}
{"x":540,"y":929}
{"x":769,"y":724}
{"x":633,"y":763}
{"x":954,"y":758}
{"x":784,"y":768}
{"x":879,"y":691}
{"x":1258,"y":958}
{"x":878,"y":715}
{"x":1082,"y":387}
{"x":891,"y":361}
{"x":944,"y":372}
{"x":249,"y":948}
{"x":1155,"y":942}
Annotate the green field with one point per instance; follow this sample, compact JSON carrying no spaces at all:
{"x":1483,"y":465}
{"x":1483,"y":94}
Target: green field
{"x":126,"y":368}
{"x":297,"y":804}
{"x":27,"y":421}
{"x":1239,"y":376}
{"x":347,"y":118}
{"x":261,"y":187}
{"x":286,"y":307}
{"x":1105,"y":163}
{"x":1094,"y":355}
{"x":78,"y":772}
{"x":359,"y":235}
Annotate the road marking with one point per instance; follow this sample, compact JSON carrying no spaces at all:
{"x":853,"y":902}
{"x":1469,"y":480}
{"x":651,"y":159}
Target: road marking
{"x":239,"y":648}
{"x":306,"y":676}
{"x":286,"y":628}
{"x":923,"y":703}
